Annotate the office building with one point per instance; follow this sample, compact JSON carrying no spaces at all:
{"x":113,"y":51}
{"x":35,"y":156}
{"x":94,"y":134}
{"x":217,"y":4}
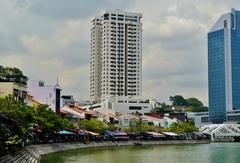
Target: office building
{"x":224,"y":67}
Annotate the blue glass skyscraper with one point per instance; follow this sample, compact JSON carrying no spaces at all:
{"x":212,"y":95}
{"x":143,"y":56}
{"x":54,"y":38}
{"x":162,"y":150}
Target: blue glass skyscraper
{"x":224,"y":66}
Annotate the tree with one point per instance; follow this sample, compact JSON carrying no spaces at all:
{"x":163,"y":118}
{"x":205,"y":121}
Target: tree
{"x":138,"y":126}
{"x":25,"y":116}
{"x":181,"y":128}
{"x":93,"y":125}
{"x":190,"y":104}
{"x":194,"y":102}
{"x":112,"y":127}
{"x":49,"y":120}
{"x":178,"y":100}
{"x":14,"y":74}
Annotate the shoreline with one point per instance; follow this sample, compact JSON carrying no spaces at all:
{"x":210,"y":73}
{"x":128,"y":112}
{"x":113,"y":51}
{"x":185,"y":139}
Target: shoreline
{"x":33,"y":153}
{"x":45,"y":149}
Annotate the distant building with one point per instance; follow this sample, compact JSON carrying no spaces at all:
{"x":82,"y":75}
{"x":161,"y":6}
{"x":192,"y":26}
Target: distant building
{"x":125,"y":119}
{"x":128,"y":104}
{"x":198,"y":118}
{"x":73,"y":113}
{"x":67,"y":99}
{"x":18,"y":91}
{"x":161,"y":122}
{"x":149,"y":120}
{"x":224,"y":67}
{"x":202,"y":118}
{"x":105,"y":115}
{"x":82,"y":103}
{"x":45,"y":94}
{"x":13,"y":85}
{"x":116,"y":55}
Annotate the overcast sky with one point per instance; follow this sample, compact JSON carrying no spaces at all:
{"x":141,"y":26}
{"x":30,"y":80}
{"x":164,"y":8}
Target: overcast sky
{"x":50,"y":38}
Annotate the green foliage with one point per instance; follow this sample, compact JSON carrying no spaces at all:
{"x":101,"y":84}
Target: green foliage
{"x":178,"y":100}
{"x":50,"y":121}
{"x":147,"y":128}
{"x":138,"y":126}
{"x":181,"y":128}
{"x":4,"y":135}
{"x":25,"y":116}
{"x":112,"y":127}
{"x":190,"y":104}
{"x":14,"y":74}
{"x":189,"y":109}
{"x":194,"y":102}
{"x":8,"y":71}
{"x":93,"y":125}
{"x":14,"y":140}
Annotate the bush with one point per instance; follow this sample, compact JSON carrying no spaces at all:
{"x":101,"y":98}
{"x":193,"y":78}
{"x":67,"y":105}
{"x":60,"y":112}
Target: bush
{"x":181,"y":128}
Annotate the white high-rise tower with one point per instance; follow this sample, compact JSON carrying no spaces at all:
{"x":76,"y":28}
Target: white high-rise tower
{"x":116,"y":55}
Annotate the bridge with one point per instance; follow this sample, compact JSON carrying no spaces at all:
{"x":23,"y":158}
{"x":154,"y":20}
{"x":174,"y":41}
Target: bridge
{"x":221,"y":131}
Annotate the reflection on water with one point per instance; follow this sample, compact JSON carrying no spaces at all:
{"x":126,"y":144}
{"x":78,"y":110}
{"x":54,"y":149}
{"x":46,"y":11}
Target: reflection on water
{"x":204,"y":153}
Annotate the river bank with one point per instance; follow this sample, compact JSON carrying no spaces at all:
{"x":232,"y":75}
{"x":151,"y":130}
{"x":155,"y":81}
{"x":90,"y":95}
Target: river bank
{"x":58,"y":147}
{"x":33,"y":153}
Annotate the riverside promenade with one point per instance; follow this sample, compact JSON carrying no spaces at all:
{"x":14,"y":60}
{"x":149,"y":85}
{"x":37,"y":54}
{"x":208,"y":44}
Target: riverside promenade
{"x":33,"y":153}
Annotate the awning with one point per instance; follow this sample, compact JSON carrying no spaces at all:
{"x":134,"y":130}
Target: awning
{"x":65,"y":132}
{"x":92,"y":133}
{"x":81,"y":132}
{"x":71,"y":111}
{"x":120,"y":134}
{"x":170,"y":133}
{"x":156,"y":134}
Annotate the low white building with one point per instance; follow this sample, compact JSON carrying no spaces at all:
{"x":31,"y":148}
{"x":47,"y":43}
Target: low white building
{"x":128,"y":104}
{"x":45,"y":94}
{"x":199,"y":118}
{"x":105,"y":115}
{"x":163,"y":122}
{"x":125,"y":119}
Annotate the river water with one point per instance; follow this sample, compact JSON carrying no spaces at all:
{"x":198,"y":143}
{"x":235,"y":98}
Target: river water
{"x":202,"y":153}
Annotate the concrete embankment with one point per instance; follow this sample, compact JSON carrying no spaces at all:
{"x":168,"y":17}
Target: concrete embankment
{"x":58,"y":147}
{"x":28,"y":155}
{"x":33,"y":153}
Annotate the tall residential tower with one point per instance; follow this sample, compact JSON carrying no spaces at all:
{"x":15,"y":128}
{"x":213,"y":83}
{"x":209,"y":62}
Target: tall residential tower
{"x":224,"y":66}
{"x":116,"y":55}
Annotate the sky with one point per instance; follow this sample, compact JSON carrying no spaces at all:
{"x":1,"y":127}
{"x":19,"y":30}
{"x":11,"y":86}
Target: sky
{"x":47,"y":39}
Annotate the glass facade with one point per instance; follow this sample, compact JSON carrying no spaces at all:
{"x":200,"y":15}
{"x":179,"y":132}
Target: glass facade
{"x":226,"y":33}
{"x":216,"y":76}
{"x":235,"y":49}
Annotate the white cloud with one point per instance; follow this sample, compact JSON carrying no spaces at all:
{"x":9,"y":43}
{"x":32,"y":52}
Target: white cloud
{"x":49,"y":39}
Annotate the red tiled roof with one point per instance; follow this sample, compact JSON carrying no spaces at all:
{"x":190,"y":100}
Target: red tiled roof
{"x":153,"y":115}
